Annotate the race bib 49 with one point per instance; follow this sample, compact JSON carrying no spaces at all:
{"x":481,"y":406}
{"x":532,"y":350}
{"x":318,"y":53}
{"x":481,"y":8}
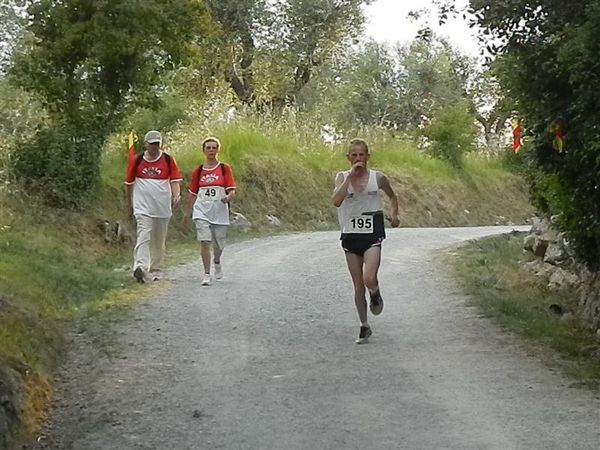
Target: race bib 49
{"x":210,"y":193}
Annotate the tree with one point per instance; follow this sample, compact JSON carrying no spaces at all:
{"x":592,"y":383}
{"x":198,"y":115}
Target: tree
{"x":491,"y":107}
{"x":400,"y":89}
{"x":274,"y":46}
{"x":357,"y":90}
{"x":85,"y":56}
{"x":549,"y":51}
{"x":433,"y":75}
{"x":88,"y":61}
{"x":451,"y":133}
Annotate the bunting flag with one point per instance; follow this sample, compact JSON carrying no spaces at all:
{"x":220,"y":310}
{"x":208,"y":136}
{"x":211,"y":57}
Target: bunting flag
{"x":559,"y":141}
{"x":131,"y":146}
{"x":516,"y":129}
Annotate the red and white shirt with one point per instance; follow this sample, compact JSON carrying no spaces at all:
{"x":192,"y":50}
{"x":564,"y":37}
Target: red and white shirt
{"x":152,"y":185}
{"x":210,"y":186}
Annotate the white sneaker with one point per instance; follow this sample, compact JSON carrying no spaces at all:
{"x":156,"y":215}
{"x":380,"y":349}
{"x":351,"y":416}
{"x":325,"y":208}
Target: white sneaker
{"x":218,"y":271}
{"x":206,"y":280}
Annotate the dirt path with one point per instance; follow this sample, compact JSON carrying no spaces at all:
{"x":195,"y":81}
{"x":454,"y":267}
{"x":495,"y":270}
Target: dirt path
{"x":266,"y":359}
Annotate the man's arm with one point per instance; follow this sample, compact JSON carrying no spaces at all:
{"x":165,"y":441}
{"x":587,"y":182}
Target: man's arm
{"x":175,"y":193}
{"x":128,"y":199}
{"x":385,"y":186}
{"x":341,"y":189}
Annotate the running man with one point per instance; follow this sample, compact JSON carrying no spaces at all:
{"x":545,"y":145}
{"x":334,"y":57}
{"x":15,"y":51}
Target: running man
{"x":360,"y":215}
{"x":212,"y":187}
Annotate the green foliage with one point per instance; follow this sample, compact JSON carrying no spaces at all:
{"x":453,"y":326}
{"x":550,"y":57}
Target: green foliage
{"x":552,"y":71}
{"x":60,"y":164}
{"x":88,"y":61}
{"x":94,"y":57}
{"x":433,"y":75}
{"x":516,"y":162}
{"x":398,"y":89}
{"x":359,"y":90}
{"x":168,"y":116}
{"x":451,"y":133}
{"x":20,"y":116}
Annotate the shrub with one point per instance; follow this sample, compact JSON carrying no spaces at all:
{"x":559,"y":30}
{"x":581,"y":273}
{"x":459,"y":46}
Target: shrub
{"x":451,"y":133}
{"x":60,"y":164}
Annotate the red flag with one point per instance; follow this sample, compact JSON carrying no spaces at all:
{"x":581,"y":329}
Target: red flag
{"x":516,"y":128}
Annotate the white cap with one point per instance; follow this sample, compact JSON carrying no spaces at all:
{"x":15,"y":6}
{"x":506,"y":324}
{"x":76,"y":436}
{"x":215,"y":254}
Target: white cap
{"x":152,"y":137}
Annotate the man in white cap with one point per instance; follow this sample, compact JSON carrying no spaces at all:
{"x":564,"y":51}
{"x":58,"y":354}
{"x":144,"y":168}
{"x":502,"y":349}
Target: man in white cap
{"x":153,"y":189}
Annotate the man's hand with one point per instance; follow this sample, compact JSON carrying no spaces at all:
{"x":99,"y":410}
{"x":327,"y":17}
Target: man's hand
{"x":395,"y":221}
{"x":129,"y":209}
{"x":357,"y":167}
{"x":176,"y":201}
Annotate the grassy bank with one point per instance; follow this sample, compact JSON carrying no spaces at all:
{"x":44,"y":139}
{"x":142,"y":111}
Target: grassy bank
{"x":57,"y":266}
{"x":490,"y":271}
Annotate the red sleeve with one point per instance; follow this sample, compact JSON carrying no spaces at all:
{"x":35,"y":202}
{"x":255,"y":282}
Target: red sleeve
{"x":194,"y":182}
{"x":174,"y":173}
{"x":130,"y":174}
{"x":229,"y":180}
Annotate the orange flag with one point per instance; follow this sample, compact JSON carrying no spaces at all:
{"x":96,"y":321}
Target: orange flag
{"x":559,"y":141}
{"x":516,"y":128}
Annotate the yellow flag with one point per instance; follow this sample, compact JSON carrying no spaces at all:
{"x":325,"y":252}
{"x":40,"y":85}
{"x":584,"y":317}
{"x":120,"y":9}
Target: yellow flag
{"x":131,"y":146}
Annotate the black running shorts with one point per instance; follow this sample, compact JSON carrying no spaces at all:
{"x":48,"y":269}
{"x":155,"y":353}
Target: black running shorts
{"x":360,"y":243}
{"x":360,"y":246}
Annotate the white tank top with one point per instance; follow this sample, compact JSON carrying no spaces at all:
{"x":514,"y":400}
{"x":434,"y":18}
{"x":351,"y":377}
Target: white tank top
{"x":351,"y":213}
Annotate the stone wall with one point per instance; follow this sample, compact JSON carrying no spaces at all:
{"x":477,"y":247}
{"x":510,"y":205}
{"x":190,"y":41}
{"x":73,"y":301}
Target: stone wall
{"x":9,"y":410}
{"x":556,"y":264}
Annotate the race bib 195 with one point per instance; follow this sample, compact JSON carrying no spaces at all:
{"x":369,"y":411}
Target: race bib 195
{"x":359,"y":224}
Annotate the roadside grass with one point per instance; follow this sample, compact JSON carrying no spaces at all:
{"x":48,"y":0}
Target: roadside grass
{"x":490,"y":271}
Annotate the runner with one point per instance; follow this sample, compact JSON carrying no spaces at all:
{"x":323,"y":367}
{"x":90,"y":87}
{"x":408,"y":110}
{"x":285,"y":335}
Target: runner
{"x":212,"y":187}
{"x":360,"y":215}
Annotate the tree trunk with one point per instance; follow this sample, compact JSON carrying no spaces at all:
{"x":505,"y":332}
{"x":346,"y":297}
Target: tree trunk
{"x":487,"y":130}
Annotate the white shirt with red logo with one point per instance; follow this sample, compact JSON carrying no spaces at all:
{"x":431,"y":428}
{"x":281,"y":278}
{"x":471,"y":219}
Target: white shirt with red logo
{"x":210,"y":186}
{"x":152,"y":185}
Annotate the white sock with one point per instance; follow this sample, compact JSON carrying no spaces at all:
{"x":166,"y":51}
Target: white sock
{"x":365,"y":324}
{"x":374,"y":291}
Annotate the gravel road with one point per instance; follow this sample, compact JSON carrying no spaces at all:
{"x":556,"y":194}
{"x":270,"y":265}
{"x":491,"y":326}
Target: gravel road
{"x":265,"y":359}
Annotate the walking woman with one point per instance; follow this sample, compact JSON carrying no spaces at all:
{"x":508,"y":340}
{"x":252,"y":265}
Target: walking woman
{"x":211,"y":189}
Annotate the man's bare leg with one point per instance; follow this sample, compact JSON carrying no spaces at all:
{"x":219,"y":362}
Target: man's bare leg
{"x":355,"y":266}
{"x":372,"y":259}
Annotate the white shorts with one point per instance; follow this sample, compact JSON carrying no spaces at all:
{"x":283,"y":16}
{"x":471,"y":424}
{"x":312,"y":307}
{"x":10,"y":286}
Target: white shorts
{"x":210,"y":232}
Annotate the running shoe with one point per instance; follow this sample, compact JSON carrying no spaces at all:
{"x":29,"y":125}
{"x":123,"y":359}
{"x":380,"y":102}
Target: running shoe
{"x":139,"y":275}
{"x":218,"y":271}
{"x":376,"y":304}
{"x":363,"y":335}
{"x":206,"y":280}
{"x":156,"y":274}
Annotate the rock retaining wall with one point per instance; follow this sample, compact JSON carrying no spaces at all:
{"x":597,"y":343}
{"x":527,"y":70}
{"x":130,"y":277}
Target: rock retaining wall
{"x":556,"y":264}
